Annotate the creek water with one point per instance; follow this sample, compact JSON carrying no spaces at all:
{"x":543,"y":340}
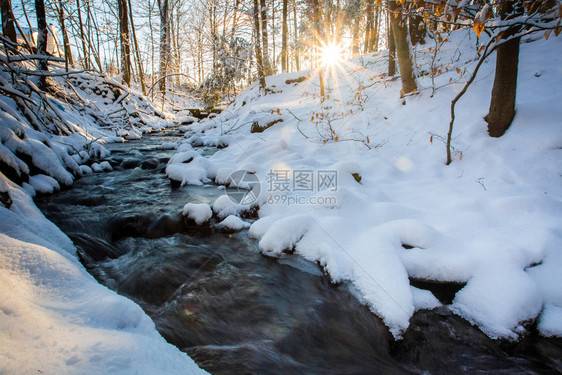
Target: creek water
{"x":234,"y":311}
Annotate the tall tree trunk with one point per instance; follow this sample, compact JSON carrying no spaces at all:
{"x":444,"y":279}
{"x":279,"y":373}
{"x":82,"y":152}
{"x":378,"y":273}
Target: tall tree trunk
{"x":214,"y":37}
{"x":152,"y":52}
{"x":82,"y":36}
{"x":273,"y":61}
{"x":264,"y":48}
{"x":369,"y":27}
{"x":400,"y":31}
{"x":137,"y":51}
{"x":259,"y":60}
{"x":66,"y":42}
{"x":91,"y":45}
{"x":355,"y":44}
{"x":125,"y":43}
{"x":376,"y":30}
{"x":163,"y":6}
{"x":296,"y":37}
{"x":234,"y":19}
{"x":391,"y":50}
{"x":8,"y":27}
{"x":284,"y":32}
{"x":41,"y":32}
{"x":41,"y":39}
{"x":502,"y":103}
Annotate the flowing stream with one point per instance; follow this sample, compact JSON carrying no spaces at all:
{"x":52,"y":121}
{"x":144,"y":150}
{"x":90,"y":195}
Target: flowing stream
{"x":234,"y":311}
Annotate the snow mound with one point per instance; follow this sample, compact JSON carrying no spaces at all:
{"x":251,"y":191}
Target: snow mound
{"x":284,"y":234}
{"x":199,"y":212}
{"x":56,"y":318}
{"x":233,"y":223}
{"x":44,"y":184}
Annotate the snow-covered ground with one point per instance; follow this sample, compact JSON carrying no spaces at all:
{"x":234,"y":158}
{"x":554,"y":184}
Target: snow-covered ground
{"x":345,"y":182}
{"x":54,"y":317}
{"x":358,"y":183}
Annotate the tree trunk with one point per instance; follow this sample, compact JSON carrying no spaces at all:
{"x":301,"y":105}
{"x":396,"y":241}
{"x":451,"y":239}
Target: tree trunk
{"x":264,"y":48}
{"x":355,"y":47}
{"x":296,"y":37}
{"x":82,"y":36}
{"x":400,"y":31}
{"x":502,"y":103}
{"x":137,"y":51}
{"x":8,"y":27}
{"x":259,"y":60}
{"x":391,"y":51}
{"x":274,"y":61}
{"x":125,"y":44}
{"x":91,"y":45}
{"x":42,"y":32}
{"x":235,"y":20}
{"x":284,"y":32}
{"x":370,"y":26}
{"x":67,"y":51}
{"x":376,"y":30}
{"x":163,"y":6}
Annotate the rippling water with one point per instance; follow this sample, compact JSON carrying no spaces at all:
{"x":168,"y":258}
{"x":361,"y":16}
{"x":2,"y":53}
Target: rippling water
{"x":237,"y":312}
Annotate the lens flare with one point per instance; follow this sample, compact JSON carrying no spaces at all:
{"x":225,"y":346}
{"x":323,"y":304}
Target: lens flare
{"x":331,"y":54}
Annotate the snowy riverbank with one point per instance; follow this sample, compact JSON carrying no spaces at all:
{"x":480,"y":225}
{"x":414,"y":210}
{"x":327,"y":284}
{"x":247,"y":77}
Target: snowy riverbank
{"x":358,"y":183}
{"x":54,"y":316}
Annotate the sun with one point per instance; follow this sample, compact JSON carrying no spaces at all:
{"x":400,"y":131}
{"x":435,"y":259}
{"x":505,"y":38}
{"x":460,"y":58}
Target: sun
{"x":331,"y":54}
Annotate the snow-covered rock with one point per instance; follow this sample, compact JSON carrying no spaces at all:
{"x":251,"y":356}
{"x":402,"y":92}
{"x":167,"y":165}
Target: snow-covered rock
{"x":199,"y":212}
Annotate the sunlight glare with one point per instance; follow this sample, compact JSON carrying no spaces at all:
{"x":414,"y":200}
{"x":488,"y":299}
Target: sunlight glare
{"x":331,"y":54}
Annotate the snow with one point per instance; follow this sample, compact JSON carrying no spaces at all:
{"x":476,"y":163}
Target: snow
{"x":56,"y":318}
{"x":224,"y":206}
{"x":199,"y":212}
{"x":383,"y":207}
{"x":424,"y":299}
{"x":491,"y":219}
{"x":233,"y":223}
{"x":284,"y":234}
{"x":44,"y":184}
{"x":85,"y":170}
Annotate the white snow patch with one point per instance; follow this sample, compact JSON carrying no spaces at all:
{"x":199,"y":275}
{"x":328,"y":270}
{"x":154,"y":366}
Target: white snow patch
{"x":199,"y":212}
{"x":233,"y":223}
{"x":44,"y":184}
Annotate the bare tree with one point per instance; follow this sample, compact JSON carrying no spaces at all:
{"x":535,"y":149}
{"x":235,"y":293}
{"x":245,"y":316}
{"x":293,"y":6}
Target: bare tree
{"x":163,"y":6}
{"x":82,"y":36}
{"x":42,"y":32}
{"x":137,"y":52}
{"x":296,"y":37}
{"x":125,"y":43}
{"x":502,"y":103}
{"x":8,"y":27}
{"x":391,"y":51}
{"x":370,"y":26}
{"x":284,"y":32}
{"x":400,"y":31}
{"x":259,"y":61}
{"x":66,"y":42}
{"x":264,"y":38}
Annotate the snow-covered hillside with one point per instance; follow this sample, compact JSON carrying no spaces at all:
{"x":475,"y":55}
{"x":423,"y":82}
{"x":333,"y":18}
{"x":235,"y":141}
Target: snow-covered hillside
{"x":357,"y":182}
{"x":54,"y":316}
